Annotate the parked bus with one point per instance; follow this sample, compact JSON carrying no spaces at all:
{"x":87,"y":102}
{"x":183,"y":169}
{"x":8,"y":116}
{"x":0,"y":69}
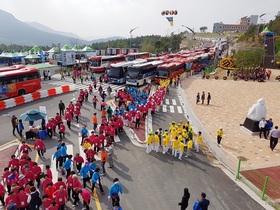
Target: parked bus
{"x":11,"y":68}
{"x":117,"y":72}
{"x":99,"y":64}
{"x":134,"y":56}
{"x":19,"y":82}
{"x":169,"y":70}
{"x":141,"y":74}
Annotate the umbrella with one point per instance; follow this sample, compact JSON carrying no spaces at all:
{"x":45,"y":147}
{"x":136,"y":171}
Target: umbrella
{"x":87,"y":49}
{"x":32,"y":115}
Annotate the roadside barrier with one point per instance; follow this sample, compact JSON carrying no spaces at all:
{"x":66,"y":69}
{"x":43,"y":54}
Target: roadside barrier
{"x":12,"y":102}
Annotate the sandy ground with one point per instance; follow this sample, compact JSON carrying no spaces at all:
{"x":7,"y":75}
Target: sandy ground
{"x":228,"y":108}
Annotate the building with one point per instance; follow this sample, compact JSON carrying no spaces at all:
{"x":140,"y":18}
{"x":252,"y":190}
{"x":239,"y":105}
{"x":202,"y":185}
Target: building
{"x":243,"y":25}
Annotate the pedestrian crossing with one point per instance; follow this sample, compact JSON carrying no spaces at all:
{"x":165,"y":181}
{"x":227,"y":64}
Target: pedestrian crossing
{"x":170,"y":105}
{"x":85,"y":85}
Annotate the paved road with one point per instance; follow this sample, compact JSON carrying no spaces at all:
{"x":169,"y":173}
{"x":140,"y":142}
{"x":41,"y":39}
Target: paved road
{"x":151,"y":181}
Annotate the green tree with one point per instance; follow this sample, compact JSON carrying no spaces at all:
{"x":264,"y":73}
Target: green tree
{"x":248,"y":58}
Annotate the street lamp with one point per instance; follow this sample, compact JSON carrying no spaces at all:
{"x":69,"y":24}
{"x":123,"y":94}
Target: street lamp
{"x":191,"y":30}
{"x":130,"y":32}
{"x":260,"y":16}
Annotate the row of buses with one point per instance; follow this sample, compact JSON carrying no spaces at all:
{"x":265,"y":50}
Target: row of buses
{"x":142,"y":71}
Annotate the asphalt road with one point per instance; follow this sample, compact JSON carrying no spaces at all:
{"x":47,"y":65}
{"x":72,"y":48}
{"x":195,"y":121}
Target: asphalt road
{"x":150,"y":181}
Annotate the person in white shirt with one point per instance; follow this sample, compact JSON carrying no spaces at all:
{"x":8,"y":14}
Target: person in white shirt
{"x":262,"y":126}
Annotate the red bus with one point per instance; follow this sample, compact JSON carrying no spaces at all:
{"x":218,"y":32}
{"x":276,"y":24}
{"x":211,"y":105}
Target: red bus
{"x":169,"y":70}
{"x":99,"y":64}
{"x":134,"y":56}
{"x":19,"y":82}
{"x":11,"y":68}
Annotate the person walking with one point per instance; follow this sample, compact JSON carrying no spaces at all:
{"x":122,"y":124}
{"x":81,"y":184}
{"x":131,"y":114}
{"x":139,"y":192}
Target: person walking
{"x":110,"y":154}
{"x":189,"y":148}
{"x":115,"y":191}
{"x":94,"y":122}
{"x":262,"y":126}
{"x":34,"y":201}
{"x":96,"y":178}
{"x":220,"y":134}
{"x":60,"y":197}
{"x":203,"y":203}
{"x":149,"y":141}
{"x":61,"y":107}
{"x":274,"y":135}
{"x":20,"y":128}
{"x":197,"y":98}
{"x":86,"y":198}
{"x":202,"y":97}
{"x":103,"y":156}
{"x":109,"y":91}
{"x":185,"y":199}
{"x":40,"y":146}
{"x":14,"y":121}
{"x":269,"y":126}
{"x":208,"y":98}
{"x":94,"y":102}
{"x":181,"y":149}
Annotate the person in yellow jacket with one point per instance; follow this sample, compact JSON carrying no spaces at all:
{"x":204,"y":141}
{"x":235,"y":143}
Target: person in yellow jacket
{"x":198,"y":141}
{"x":173,"y":132}
{"x":175,"y":146}
{"x":156,"y":142}
{"x":86,"y":145}
{"x":187,"y":125}
{"x":185,"y":136}
{"x":172,"y":125}
{"x":165,"y":143}
{"x":150,"y":140}
{"x":220,"y":134}
{"x":180,"y":136}
{"x":180,"y":125}
{"x":189,"y":148}
{"x":181,"y":149}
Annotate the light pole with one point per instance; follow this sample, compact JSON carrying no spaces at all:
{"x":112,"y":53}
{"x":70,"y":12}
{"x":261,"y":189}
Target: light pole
{"x":260,"y":16}
{"x":192,"y":31}
{"x":130,"y":32}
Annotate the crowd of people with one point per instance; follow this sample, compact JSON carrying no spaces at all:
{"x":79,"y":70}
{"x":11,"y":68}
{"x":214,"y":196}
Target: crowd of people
{"x":273,"y":134}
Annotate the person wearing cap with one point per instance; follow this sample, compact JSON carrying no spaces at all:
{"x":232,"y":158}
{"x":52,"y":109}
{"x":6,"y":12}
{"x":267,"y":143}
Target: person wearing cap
{"x":181,"y":149}
{"x":175,"y":146}
{"x":220,"y":133}
{"x":156,"y":142}
{"x":149,"y":141}
{"x":189,"y":148}
{"x":115,"y":191}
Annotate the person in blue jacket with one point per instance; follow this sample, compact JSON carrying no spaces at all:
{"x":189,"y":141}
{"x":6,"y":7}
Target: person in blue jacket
{"x":20,"y":128}
{"x":96,"y":178}
{"x":63,"y":150}
{"x":114,"y":191}
{"x":84,"y":173}
{"x":67,"y":165}
{"x":92,"y":167}
{"x":58,"y":158}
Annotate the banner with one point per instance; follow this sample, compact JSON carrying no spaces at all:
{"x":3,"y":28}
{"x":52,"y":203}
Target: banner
{"x":170,"y":20}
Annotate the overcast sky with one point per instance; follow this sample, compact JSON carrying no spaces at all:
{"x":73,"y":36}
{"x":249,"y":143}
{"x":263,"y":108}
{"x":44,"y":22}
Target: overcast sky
{"x":106,"y":18}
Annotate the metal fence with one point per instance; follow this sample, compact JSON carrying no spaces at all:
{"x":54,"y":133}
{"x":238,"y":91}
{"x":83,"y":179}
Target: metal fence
{"x":224,"y":157}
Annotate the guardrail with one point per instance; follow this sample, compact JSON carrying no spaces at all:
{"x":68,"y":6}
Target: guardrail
{"x":12,"y":102}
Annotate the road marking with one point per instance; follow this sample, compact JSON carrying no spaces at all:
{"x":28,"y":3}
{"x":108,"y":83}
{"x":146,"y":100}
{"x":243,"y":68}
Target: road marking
{"x":13,"y":141}
{"x":174,"y":102}
{"x":179,"y":109}
{"x":167,"y":101}
{"x":164,"y":108}
{"x":172,"y":109}
{"x":96,"y":199}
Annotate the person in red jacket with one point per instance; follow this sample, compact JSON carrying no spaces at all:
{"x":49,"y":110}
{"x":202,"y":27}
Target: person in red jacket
{"x":49,"y":127}
{"x":14,"y":162}
{"x":62,"y":130}
{"x":53,"y":206}
{"x":5,"y":178}
{"x":59,"y":183}
{"x":22,"y":181}
{"x":76,"y":186}
{"x":37,"y":173}
{"x":2,"y":194}
{"x":86,"y":197}
{"x":77,"y":114}
{"x":49,"y":191}
{"x":29,"y":175}
{"x":58,"y":119}
{"x":61,"y":197}
{"x":12,"y":198}
{"x":49,"y":172}
{"x":78,"y":160}
{"x":46,"y":181}
{"x":24,"y":147}
{"x":69,"y":184}
{"x":40,"y":146}
{"x":68,"y":118}
{"x":46,"y":202}
{"x":90,"y":154}
{"x":22,"y":196}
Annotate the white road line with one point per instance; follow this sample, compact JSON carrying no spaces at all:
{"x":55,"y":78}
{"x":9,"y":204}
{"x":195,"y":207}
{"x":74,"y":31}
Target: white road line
{"x":164,"y":108}
{"x":172,"y":109}
{"x":167,"y":101}
{"x":179,"y":109}
{"x":174,"y":102}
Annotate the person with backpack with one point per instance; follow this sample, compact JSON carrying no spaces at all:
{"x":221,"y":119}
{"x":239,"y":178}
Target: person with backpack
{"x":202,"y":204}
